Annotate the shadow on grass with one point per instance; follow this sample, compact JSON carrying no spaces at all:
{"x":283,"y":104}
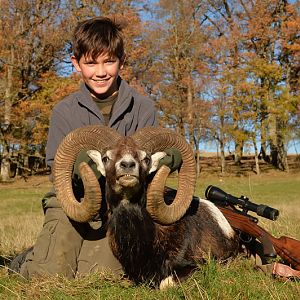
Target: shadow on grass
{"x":5,"y":260}
{"x":14,"y":262}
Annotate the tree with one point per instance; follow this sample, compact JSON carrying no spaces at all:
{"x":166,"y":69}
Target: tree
{"x":178,"y":64}
{"x":267,"y":39}
{"x":33,"y":32}
{"x":35,"y":49}
{"x":256,"y":69}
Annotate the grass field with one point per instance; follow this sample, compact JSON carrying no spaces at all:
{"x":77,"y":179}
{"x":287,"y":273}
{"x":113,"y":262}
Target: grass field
{"x":21,"y":218}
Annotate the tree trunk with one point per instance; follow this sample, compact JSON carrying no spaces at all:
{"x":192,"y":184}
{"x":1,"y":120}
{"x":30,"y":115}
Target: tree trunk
{"x":238,"y":154}
{"x":274,"y":154}
{"x":281,"y":152}
{"x":273,"y":140}
{"x":263,"y":127}
{"x":5,"y":162}
{"x":277,"y":145}
{"x":257,"y":168}
{"x":190,"y":114}
{"x":5,"y":127}
{"x":263,"y":138}
{"x":5,"y":170}
{"x":196,"y":138}
{"x":222,"y":157}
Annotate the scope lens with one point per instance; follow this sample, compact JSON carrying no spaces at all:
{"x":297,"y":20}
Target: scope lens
{"x":267,"y":212}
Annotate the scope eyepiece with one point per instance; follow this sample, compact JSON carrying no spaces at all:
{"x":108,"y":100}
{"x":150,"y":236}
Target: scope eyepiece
{"x":215,"y":194}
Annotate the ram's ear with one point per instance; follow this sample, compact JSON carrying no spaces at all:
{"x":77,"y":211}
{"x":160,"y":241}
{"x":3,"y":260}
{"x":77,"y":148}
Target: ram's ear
{"x":97,"y":159}
{"x":155,"y":158}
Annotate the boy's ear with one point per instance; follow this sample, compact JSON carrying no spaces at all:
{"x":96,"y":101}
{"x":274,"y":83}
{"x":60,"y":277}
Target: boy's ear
{"x":75,"y":63}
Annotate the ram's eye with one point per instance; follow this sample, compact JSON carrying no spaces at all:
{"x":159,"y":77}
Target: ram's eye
{"x":105,"y":159}
{"x":147,"y":160}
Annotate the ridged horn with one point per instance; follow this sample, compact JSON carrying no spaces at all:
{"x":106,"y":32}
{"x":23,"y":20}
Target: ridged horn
{"x":153,"y":139}
{"x":92,"y":137}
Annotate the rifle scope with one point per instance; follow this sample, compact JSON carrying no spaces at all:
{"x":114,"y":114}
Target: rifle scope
{"x":217,"y":195}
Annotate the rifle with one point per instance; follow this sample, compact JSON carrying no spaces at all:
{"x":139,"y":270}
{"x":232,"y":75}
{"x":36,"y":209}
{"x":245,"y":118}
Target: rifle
{"x":287,"y":248}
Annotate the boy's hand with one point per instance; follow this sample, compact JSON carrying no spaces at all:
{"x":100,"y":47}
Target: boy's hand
{"x":83,"y":157}
{"x":173,"y":159}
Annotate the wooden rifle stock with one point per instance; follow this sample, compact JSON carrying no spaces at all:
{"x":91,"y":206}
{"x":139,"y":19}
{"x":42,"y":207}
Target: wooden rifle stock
{"x":287,"y":248}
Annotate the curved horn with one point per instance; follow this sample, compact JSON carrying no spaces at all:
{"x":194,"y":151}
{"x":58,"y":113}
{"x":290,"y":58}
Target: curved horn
{"x":85,"y":138}
{"x":152,"y":140}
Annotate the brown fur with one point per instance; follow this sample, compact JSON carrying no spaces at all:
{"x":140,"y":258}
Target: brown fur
{"x":147,"y":250}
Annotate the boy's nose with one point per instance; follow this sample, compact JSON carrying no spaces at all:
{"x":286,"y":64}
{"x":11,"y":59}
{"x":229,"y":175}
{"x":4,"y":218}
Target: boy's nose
{"x":100,"y":71}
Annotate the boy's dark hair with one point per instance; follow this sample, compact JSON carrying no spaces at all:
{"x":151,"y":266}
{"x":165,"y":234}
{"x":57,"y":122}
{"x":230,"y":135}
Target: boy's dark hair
{"x":96,"y":36}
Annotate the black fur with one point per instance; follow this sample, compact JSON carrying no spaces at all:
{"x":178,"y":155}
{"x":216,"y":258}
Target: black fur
{"x":151,"y":252}
{"x":147,"y":250}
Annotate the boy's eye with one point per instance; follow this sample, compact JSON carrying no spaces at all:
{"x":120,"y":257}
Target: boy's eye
{"x":110,"y":61}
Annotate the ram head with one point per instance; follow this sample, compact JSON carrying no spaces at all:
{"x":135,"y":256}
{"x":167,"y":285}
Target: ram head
{"x":135,"y":158}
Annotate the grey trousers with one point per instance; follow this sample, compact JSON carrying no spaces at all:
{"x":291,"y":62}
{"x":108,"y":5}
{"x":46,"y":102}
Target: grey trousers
{"x":69,"y":248}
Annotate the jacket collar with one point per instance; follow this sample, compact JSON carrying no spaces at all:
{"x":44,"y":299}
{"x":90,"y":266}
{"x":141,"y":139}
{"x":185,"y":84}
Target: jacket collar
{"x":85,"y":99}
{"x":121,"y":105}
{"x":123,"y":101}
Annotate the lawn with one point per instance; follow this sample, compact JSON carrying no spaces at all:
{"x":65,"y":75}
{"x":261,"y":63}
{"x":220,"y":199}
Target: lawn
{"x":21,"y":218}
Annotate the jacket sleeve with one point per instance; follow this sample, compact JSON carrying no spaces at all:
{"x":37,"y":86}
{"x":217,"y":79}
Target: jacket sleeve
{"x":58,"y":129}
{"x":149,"y":118}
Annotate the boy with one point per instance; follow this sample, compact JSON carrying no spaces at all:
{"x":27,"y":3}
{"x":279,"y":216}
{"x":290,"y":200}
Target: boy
{"x":66,"y":247}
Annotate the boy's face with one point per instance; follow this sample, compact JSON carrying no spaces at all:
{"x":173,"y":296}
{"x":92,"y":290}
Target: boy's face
{"x":99,"y":75}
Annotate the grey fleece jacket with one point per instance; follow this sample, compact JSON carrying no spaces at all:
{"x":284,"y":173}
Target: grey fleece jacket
{"x":131,"y":112}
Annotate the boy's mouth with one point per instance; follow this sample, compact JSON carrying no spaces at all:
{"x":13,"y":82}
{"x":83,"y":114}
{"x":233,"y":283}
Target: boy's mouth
{"x":101,"y":82}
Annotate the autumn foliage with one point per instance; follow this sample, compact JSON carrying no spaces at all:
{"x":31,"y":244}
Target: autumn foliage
{"x":224,"y":72}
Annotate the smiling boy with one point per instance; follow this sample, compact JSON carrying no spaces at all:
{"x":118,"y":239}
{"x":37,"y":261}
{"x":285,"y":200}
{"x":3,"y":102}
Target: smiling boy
{"x":65,"y":247}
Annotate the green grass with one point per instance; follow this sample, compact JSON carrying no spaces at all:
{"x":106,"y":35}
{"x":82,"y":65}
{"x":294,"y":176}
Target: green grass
{"x":21,"y":219}
{"x":19,"y":202}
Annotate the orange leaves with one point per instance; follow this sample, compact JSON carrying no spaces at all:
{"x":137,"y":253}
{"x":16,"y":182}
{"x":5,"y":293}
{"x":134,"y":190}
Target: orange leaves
{"x":237,"y":59}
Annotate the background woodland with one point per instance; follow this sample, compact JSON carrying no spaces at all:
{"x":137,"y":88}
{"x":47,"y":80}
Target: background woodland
{"x":220,"y":71}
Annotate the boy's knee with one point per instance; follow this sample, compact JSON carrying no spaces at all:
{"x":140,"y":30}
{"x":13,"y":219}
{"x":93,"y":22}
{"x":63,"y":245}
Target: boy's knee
{"x":96,"y":256}
{"x":56,"y":249}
